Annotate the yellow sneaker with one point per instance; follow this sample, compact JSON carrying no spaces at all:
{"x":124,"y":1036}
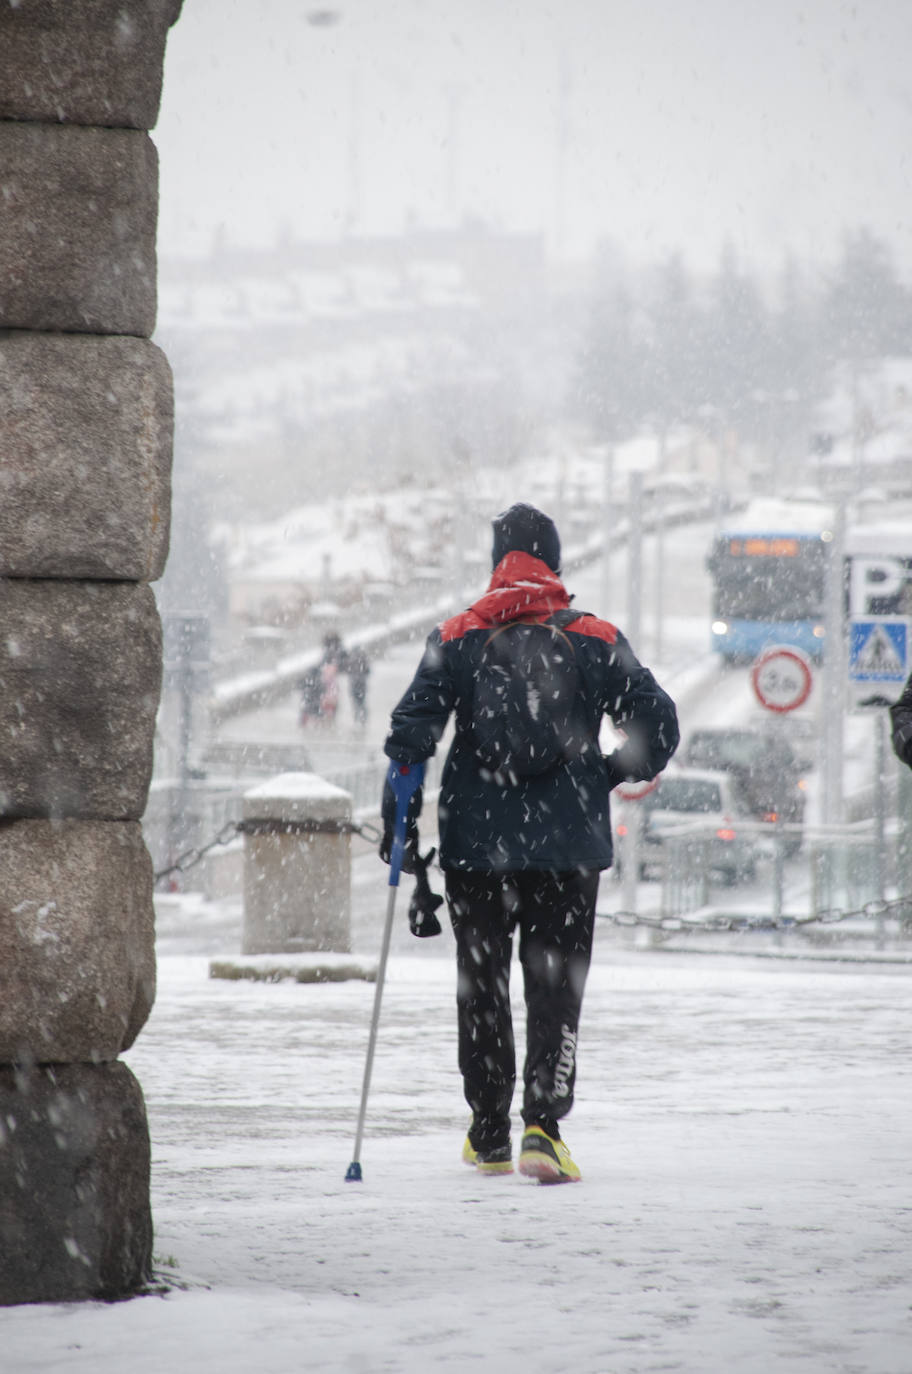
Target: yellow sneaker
{"x":548,"y":1160}
{"x":498,"y":1161}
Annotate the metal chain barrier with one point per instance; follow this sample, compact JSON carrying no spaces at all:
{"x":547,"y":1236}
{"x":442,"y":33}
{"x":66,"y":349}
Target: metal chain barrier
{"x":230,"y":829}
{"x":873,"y":910}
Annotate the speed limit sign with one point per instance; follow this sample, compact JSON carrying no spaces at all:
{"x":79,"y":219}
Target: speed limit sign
{"x":781,"y":678}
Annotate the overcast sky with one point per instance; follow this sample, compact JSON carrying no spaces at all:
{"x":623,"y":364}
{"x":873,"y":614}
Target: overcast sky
{"x":663,"y":124}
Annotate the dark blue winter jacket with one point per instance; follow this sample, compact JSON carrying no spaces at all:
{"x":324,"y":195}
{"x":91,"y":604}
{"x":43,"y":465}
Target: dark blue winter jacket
{"x":558,"y":820}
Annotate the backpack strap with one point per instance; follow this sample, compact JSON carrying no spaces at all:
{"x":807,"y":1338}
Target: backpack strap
{"x":561,"y":619}
{"x":558,"y":621}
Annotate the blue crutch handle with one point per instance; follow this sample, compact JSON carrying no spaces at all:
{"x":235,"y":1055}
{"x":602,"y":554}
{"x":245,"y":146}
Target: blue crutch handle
{"x":404,"y":779}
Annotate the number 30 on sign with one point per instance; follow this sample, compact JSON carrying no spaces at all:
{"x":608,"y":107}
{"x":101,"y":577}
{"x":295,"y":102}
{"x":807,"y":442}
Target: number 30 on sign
{"x":781,"y":679}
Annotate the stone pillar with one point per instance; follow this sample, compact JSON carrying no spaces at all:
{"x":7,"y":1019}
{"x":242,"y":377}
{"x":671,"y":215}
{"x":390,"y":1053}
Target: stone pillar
{"x":297,"y":866}
{"x":86,"y":421}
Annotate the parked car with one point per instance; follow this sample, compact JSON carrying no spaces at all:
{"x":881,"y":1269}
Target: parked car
{"x":701,"y":807}
{"x":801,"y":732}
{"x":765,"y":769}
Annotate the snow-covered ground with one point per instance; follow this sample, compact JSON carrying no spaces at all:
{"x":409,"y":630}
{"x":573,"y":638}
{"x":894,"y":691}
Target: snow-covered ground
{"x":743,"y":1128}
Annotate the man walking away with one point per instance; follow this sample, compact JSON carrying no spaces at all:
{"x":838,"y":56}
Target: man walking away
{"x":524,"y":822}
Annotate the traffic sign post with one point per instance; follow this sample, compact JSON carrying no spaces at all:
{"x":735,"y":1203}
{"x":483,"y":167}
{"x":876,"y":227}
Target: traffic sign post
{"x":879,"y":648}
{"x":781,"y":678}
{"x":879,"y":664}
{"x":782,"y":681}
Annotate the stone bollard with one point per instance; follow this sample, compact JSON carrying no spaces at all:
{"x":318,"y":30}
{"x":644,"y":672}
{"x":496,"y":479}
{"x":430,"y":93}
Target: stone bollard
{"x":297,"y":866}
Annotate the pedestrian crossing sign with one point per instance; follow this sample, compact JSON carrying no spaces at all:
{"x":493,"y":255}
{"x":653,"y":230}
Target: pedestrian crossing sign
{"x":879,"y":649}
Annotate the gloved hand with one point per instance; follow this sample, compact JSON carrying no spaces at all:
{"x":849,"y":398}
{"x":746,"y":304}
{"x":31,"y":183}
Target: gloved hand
{"x":423,"y":906}
{"x":388,"y":816}
{"x":615,"y":767}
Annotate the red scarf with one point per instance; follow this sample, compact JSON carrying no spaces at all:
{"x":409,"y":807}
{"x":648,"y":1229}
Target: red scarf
{"x":521,"y":588}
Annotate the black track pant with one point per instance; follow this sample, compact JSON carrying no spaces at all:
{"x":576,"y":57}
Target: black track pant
{"x":554,"y":914}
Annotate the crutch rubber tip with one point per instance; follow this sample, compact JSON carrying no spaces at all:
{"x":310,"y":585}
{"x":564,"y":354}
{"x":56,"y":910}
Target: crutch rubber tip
{"x":353,"y":1173}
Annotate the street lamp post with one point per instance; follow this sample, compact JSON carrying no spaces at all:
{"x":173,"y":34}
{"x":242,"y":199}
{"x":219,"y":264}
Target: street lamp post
{"x":635,"y":559}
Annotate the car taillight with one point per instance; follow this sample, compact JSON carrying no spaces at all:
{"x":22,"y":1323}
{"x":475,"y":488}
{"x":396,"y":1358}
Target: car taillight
{"x":725,"y":834}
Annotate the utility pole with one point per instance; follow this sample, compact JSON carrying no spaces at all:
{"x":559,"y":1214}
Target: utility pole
{"x":635,"y":560}
{"x":607,"y":527}
{"x":354,"y":154}
{"x":186,"y":674}
{"x":659,"y":531}
{"x":834,"y":676}
{"x":453,"y":170}
{"x":560,"y":154}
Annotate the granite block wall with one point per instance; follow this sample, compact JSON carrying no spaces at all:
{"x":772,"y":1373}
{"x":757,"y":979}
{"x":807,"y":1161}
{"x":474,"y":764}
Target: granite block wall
{"x":86,"y":422}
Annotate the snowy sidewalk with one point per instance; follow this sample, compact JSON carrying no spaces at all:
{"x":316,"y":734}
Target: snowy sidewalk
{"x":744,"y":1132}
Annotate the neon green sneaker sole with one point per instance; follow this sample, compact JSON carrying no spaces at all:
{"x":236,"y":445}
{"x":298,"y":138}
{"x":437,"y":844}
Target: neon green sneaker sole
{"x":546,"y":1159}
{"x":496,"y":1162}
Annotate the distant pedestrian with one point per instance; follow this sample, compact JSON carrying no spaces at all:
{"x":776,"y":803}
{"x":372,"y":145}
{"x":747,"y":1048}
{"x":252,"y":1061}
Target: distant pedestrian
{"x":311,"y":689}
{"x":525,"y":824}
{"x":357,"y":666}
{"x":333,"y":655}
{"x":319,"y":686}
{"x":329,"y":691}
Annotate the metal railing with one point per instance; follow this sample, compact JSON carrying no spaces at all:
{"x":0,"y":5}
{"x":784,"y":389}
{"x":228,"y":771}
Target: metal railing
{"x":838,"y":874}
{"x":211,"y":813}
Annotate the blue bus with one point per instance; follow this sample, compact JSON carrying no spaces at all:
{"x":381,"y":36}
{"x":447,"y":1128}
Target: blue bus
{"x":768,"y":568}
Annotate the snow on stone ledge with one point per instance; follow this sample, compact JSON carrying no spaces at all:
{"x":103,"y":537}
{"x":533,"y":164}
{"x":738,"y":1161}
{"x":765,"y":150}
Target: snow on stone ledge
{"x":318,"y":967}
{"x":295,"y":796}
{"x":296,"y":786}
